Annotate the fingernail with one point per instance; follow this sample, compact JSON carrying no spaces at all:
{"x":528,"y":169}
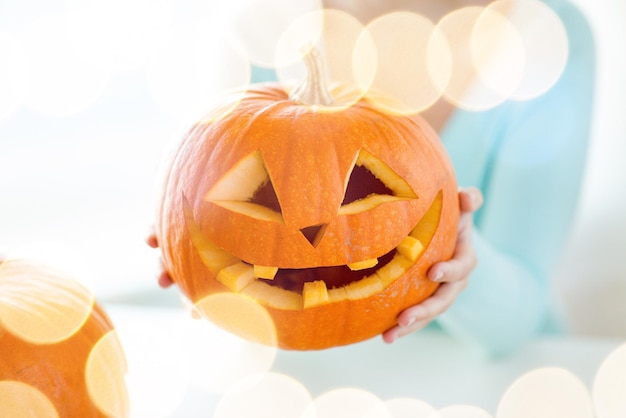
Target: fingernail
{"x":438,"y":276}
{"x":409,"y":321}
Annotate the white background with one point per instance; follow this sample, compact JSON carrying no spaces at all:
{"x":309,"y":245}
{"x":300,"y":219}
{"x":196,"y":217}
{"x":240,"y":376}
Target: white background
{"x":592,"y":277}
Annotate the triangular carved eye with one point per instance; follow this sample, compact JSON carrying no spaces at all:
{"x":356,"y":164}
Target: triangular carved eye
{"x":370,"y":183}
{"x":247,"y":189}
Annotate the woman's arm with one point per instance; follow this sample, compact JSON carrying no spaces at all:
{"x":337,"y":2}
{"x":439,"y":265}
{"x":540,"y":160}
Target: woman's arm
{"x":531,"y":186}
{"x":528,"y":160}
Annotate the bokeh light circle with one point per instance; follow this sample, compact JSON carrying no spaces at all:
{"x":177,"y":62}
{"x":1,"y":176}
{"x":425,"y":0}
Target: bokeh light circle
{"x":402,"y":408}
{"x":12,"y":65}
{"x":268,"y":395}
{"x":463,"y":411}
{"x":297,"y":39}
{"x":487,"y":57}
{"x":192,"y":70}
{"x":239,"y":315}
{"x":58,"y":80}
{"x":412,"y":63}
{"x":497,"y":52}
{"x":18,"y":399}
{"x":344,"y":403}
{"x":546,"y":393}
{"x":40,"y":304}
{"x":545,"y":42}
{"x":609,"y":386}
{"x":260,"y":24}
{"x":335,"y":34}
{"x":220,"y":358}
{"x":105,"y":376}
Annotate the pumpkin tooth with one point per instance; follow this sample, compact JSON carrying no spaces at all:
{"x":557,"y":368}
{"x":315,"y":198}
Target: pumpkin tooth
{"x":272,"y":296}
{"x":265,"y":272}
{"x":337,"y":294}
{"x":411,"y":248}
{"x":394,"y":269}
{"x":362,"y":265}
{"x":314,"y":294}
{"x":364,"y":287}
{"x":236,"y":276}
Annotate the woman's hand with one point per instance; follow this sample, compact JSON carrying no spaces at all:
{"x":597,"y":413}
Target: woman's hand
{"x":164,"y":278}
{"x":452,"y":274}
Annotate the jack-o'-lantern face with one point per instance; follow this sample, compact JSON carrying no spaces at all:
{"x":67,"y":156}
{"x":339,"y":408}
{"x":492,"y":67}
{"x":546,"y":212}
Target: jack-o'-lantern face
{"x":328,"y":220}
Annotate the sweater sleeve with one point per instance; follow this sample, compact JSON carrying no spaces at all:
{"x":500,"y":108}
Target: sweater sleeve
{"x":531,"y":182}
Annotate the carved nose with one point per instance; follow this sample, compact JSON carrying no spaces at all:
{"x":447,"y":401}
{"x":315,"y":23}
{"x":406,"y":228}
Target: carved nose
{"x":314,"y":233}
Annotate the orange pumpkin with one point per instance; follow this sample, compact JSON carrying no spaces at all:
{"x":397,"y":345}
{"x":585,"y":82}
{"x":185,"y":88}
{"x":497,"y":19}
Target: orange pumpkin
{"x":327,"y":216}
{"x":49,"y":326}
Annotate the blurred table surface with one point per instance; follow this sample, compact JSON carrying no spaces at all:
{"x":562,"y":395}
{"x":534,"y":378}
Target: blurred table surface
{"x":429,"y":365}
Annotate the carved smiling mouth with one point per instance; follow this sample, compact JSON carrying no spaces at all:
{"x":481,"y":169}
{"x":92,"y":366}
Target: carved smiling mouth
{"x":333,"y":276}
{"x":295,"y":289}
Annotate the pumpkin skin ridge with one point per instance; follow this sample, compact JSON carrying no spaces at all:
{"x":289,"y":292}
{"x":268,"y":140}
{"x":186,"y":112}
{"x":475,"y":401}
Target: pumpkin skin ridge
{"x":319,"y":327}
{"x":299,"y":261}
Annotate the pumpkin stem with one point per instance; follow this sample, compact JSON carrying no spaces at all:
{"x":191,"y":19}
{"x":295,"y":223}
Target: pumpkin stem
{"x":313,"y":90}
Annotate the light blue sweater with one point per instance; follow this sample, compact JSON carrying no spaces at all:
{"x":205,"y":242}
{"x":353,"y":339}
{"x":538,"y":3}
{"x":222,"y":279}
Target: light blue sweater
{"x":528,"y":160}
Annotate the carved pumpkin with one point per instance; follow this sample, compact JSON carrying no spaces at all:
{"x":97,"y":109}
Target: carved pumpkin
{"x":49,"y":328}
{"x":327,"y":217}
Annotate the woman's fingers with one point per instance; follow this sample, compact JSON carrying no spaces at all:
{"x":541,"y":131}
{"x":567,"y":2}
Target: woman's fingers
{"x":419,"y":316}
{"x":452,"y":274}
{"x":396,"y":332}
{"x":164,"y":278}
{"x":152,"y":241}
{"x":458,"y":267}
{"x":470,"y":199}
{"x":464,"y":259}
{"x":434,"y":306}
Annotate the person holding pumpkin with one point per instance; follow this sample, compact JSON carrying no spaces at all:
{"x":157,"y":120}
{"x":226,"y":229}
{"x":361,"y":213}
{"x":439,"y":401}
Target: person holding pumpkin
{"x":525,"y":160}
